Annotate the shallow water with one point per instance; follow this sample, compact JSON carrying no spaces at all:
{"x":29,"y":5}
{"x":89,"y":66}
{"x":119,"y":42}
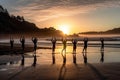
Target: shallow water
{"x":110,"y":54}
{"x":94,"y":55}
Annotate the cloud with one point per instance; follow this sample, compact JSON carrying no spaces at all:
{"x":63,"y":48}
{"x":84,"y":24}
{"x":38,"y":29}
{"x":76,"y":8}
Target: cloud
{"x":42,"y":10}
{"x":53,"y":3}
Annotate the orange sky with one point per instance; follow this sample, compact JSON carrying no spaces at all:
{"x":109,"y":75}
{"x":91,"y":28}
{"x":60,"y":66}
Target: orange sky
{"x":79,"y":15}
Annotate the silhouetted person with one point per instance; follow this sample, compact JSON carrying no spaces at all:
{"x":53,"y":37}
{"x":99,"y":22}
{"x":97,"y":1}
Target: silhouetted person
{"x":53,"y":40}
{"x":85,"y":44}
{"x":11,"y":62}
{"x":102,"y":43}
{"x":23,"y":59}
{"x":35,"y":42}
{"x":85,"y":57}
{"x":74,"y":41}
{"x":22,"y":40}
{"x":35,"y":60}
{"x":102,"y":56}
{"x":64,"y":41}
{"x":11,"y":43}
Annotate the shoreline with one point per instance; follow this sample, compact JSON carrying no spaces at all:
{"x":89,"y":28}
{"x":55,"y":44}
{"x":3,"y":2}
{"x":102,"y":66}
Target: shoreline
{"x":5,"y":49}
{"x":53,"y":71}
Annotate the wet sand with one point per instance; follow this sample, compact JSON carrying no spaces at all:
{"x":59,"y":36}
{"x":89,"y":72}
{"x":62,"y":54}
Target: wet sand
{"x":5,"y":48}
{"x":98,"y":71}
{"x":57,"y":71}
{"x":68,"y":71}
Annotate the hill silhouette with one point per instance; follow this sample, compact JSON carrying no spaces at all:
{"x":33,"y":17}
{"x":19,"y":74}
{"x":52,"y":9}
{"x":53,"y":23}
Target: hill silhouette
{"x":112,"y":31}
{"x":10,"y":24}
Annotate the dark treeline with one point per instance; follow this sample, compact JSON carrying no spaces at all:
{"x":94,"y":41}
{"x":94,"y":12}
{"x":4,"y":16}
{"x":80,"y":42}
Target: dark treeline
{"x":10,"y":24}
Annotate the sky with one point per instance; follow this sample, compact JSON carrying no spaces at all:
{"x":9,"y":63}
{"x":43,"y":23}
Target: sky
{"x":76,"y":15}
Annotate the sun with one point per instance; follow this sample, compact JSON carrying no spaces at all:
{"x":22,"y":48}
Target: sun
{"x":64,"y":28}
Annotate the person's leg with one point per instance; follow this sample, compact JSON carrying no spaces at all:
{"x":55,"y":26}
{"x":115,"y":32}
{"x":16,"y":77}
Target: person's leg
{"x":83,"y":49}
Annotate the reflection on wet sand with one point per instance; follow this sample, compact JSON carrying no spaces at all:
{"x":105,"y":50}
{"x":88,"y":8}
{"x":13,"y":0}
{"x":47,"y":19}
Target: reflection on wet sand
{"x":85,"y":57}
{"x":62,"y":72}
{"x":22,"y":60}
{"x":102,"y":56}
{"x":53,"y":58}
{"x":64,"y":57}
{"x":35,"y":59}
{"x":74,"y":57}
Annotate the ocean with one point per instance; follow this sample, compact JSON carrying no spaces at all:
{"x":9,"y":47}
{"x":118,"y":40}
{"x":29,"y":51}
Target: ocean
{"x":110,"y":54}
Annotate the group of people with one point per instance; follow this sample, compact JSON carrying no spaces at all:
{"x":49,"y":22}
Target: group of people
{"x":74,"y":42}
{"x":54,"y":40}
{"x":22,"y":41}
{"x":64,"y":42}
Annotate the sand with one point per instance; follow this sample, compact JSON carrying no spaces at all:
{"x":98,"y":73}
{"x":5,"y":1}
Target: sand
{"x":57,"y":71}
{"x":107,"y":71}
{"x":5,"y":48}
{"x":81,"y":71}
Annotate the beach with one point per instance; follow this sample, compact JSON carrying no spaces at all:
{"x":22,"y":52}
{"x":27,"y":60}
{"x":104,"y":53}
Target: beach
{"x":104,"y":71}
{"x":96,"y":65}
{"x":11,"y":68}
{"x":59,"y":39}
